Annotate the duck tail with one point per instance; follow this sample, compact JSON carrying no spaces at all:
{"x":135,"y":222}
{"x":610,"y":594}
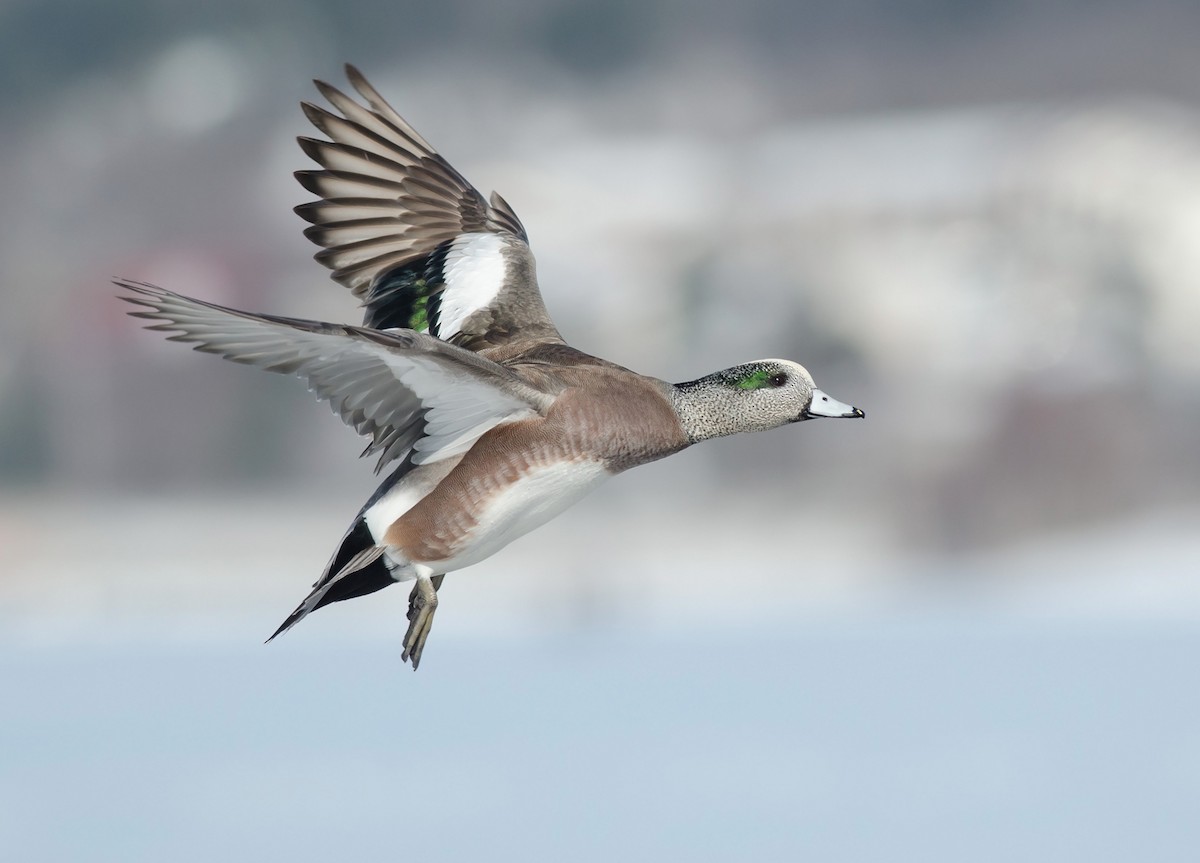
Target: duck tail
{"x":356,"y":569}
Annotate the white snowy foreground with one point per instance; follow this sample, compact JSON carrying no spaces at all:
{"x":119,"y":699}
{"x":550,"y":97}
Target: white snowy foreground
{"x":1033,"y":704}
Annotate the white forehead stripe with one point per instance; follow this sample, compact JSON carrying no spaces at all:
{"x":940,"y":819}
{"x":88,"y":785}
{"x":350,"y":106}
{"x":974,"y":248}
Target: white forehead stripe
{"x":474,"y":273}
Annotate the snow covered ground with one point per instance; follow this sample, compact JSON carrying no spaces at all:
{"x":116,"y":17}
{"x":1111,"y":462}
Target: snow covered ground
{"x":1032,"y":704}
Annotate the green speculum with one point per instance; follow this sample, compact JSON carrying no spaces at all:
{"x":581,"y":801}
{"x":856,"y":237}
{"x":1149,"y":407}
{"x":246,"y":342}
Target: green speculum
{"x":419,"y":319}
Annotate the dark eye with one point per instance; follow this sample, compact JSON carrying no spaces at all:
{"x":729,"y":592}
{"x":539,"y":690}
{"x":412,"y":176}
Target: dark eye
{"x":778,"y":380}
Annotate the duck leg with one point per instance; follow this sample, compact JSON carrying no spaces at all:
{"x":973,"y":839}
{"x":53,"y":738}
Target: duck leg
{"x":422,"y":603}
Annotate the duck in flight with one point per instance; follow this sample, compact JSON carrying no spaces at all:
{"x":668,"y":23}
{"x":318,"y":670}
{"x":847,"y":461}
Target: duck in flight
{"x":458,"y":376}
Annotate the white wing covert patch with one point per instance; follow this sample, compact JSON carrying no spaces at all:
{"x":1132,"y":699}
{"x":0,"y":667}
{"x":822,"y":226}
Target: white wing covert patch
{"x":474,"y":274}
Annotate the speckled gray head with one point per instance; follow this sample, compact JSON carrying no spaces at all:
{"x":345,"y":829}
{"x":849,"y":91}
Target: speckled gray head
{"x":755,"y":396}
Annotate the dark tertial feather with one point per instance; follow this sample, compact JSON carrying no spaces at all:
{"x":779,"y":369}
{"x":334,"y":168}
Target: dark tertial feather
{"x":409,"y":296}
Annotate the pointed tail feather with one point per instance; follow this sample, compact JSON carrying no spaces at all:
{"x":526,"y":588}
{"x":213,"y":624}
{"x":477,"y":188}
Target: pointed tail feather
{"x":364,"y":572}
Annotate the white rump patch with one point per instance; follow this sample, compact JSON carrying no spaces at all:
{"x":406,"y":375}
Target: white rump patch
{"x":396,"y":501}
{"x":474,"y":273}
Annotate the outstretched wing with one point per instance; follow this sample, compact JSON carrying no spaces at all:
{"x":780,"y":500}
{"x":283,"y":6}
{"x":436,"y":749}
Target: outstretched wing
{"x":409,"y":236}
{"x":407,"y":391}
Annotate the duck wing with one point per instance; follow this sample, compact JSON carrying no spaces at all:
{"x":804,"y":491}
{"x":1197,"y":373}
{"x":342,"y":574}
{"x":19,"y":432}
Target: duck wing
{"x":409,"y":392}
{"x":409,"y":236}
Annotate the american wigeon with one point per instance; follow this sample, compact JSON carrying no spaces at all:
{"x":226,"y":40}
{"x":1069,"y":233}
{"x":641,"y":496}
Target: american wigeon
{"x":458,"y":373}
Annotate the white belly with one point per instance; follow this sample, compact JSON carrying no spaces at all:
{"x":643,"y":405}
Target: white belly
{"x":523,"y":506}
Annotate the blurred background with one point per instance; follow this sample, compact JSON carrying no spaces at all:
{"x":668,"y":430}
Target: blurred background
{"x":965,"y":628}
